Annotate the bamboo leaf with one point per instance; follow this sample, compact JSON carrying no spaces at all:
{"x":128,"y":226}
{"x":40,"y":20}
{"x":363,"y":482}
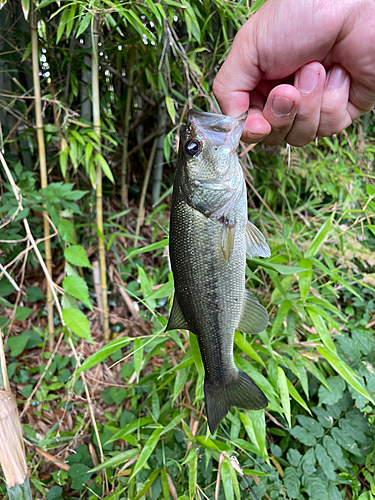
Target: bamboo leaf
{"x":146,"y":451}
{"x":346,"y":373}
{"x":170,"y":108}
{"x":226,"y":478}
{"x":320,"y":237}
{"x":118,"y":459}
{"x":138,"y":355}
{"x":104,"y":353}
{"x":284,"y":394}
{"x":148,"y":248}
{"x":246,"y":347}
{"x":282,"y":311}
{"x":304,"y":278}
{"x":322,"y":329}
{"x":193,"y":465}
{"x":104,"y":166}
{"x":164,"y":484}
{"x":84,"y":24}
{"x":280,"y":268}
{"x":295,"y":395}
{"x":149,"y":481}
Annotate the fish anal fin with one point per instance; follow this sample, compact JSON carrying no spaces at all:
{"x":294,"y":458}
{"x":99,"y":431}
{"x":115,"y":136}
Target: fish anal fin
{"x":239,"y":390}
{"x":227,"y":239}
{"x":176,"y":319}
{"x":256,"y":244}
{"x":254,"y":317}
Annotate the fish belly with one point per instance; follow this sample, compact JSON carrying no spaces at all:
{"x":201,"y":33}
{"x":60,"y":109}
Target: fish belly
{"x":210,"y":291}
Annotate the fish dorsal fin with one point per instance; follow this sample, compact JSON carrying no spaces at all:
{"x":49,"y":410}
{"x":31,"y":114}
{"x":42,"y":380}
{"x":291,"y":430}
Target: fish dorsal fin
{"x":176,"y":319}
{"x":254,"y":317}
{"x":256,"y":244}
{"x":227,"y":238}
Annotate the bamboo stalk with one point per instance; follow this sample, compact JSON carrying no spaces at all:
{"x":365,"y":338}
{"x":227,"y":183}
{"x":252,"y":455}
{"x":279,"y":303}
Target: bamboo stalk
{"x":43,"y":165}
{"x":158,"y":169}
{"x":99,"y":193}
{"x":125,"y":153}
{"x":12,"y":452}
{"x":144,"y":190}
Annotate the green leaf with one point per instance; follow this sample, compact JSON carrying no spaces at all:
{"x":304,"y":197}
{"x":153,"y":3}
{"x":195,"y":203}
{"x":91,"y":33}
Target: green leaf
{"x":83,"y":24}
{"x":291,"y":481}
{"x":320,"y":237}
{"x":303,"y":435}
{"x":175,"y":421}
{"x":282,"y":311}
{"x":105,"y":167}
{"x":148,"y":248}
{"x":296,"y":395}
{"x":346,"y":373}
{"x":284,"y":393}
{"x":170,"y":108}
{"x":280,"y":268}
{"x":148,"y":483}
{"x":257,"y":418}
{"x":17,"y":344}
{"x":193,"y":464}
{"x":23,"y":313}
{"x":321,"y":328}
{"x":165,"y":290}
{"x":164,"y":484}
{"x":77,"y":287}
{"x":304,"y":278}
{"x":138,"y":355}
{"x":334,"y":392}
{"x":226,"y":478}
{"x":104,"y":353}
{"x":246,"y":347}
{"x":129,"y":428}
{"x":76,"y":255}
{"x":148,"y":448}
{"x":116,"y":460}
{"x":315,"y":488}
{"x":325,"y":462}
{"x":66,"y":231}
{"x":78,"y":323}
{"x":194,"y":347}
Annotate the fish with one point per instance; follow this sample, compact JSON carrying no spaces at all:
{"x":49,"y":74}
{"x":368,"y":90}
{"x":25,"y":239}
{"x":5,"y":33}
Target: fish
{"x":210,"y":238}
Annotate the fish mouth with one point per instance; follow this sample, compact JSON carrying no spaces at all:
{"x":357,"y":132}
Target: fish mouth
{"x":216,"y":127}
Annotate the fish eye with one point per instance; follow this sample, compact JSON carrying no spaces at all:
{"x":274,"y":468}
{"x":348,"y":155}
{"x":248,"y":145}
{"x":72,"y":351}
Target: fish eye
{"x":193,"y":147}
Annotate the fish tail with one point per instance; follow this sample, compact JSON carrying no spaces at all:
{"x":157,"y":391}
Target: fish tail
{"x":238,"y":390}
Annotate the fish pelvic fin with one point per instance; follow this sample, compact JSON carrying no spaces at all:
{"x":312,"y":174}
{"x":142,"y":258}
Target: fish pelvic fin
{"x":239,"y":391}
{"x":256,"y":244}
{"x":176,"y":319}
{"x":254,"y":317}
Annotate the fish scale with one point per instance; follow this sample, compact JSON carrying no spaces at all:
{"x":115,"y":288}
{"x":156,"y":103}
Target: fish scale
{"x":209,"y":239}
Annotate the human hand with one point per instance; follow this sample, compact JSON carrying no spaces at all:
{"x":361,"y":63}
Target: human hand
{"x":303,"y":69}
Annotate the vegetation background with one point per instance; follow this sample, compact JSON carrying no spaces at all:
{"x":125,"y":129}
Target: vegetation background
{"x":92,"y":95}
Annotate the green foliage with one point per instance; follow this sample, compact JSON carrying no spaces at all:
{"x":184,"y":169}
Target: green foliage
{"x":315,"y":361}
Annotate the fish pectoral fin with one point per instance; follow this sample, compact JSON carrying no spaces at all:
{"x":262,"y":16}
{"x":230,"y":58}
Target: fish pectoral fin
{"x":176,"y":319}
{"x":227,"y":239}
{"x":254,"y":317}
{"x":256,"y":244}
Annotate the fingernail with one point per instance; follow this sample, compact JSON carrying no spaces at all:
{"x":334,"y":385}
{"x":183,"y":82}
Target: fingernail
{"x":336,"y":77}
{"x":307,"y":79}
{"x":281,"y":106}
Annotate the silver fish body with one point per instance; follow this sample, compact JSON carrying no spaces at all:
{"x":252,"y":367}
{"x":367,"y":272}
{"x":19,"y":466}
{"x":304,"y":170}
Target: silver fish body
{"x":209,"y":239}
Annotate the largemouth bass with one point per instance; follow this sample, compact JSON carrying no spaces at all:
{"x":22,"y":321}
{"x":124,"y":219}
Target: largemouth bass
{"x":209,"y":239}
